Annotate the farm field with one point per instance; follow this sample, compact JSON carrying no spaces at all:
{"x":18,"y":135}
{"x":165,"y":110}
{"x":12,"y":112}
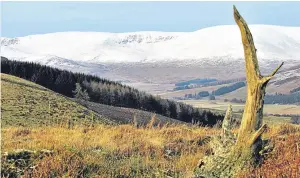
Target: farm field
{"x":221,"y":105}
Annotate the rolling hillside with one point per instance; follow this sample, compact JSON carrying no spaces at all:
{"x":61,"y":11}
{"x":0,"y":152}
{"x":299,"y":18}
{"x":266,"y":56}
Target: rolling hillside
{"x":27,"y":104}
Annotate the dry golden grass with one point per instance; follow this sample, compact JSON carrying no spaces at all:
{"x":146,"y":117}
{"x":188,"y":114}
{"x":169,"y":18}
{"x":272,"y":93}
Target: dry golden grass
{"x":111,"y":151}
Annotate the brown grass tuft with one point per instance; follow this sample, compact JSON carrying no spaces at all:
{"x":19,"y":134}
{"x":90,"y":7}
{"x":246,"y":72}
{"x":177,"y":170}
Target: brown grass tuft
{"x":21,"y":132}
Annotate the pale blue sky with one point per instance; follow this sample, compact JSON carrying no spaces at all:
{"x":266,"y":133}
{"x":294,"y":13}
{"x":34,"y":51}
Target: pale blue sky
{"x":26,"y":18}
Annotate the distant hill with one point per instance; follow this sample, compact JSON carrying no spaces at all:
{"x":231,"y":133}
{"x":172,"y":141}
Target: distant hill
{"x":160,"y":58}
{"x":204,"y":44}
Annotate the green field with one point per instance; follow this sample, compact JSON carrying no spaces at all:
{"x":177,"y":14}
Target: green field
{"x":237,"y":108}
{"x":221,"y":105}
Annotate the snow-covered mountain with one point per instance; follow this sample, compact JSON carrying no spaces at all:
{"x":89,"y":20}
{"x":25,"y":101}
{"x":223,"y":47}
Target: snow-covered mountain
{"x":158,"y":57}
{"x":220,"y":42}
{"x":94,"y":47}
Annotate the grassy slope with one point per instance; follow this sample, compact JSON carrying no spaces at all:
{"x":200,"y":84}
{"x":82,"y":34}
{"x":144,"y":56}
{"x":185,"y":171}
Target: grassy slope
{"x":24,"y":103}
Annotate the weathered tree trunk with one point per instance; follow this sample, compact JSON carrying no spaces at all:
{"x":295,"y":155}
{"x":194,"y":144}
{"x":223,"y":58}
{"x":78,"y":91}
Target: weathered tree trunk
{"x":242,"y":151}
{"x":251,"y":126}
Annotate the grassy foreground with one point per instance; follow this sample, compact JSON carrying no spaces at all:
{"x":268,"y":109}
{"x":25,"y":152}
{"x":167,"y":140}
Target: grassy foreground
{"x":127,"y":151}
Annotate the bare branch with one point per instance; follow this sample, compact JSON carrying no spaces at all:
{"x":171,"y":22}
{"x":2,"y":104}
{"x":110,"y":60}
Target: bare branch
{"x":276,"y":70}
{"x":269,"y":77}
{"x":258,"y":133}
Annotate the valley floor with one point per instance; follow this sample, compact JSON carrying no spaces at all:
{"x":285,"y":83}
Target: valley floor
{"x":290,"y":109}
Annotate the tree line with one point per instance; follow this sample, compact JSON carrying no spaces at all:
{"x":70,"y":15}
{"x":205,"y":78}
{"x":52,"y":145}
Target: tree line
{"x":218,"y":92}
{"x":106,"y":92}
{"x":195,"y":81}
{"x":201,"y":94}
{"x":222,"y":82}
{"x":295,"y":90}
{"x":228,"y":89}
{"x":206,"y":83}
{"x":293,"y":98}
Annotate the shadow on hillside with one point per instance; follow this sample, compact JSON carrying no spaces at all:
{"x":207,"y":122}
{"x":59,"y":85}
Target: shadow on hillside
{"x":126,"y":115}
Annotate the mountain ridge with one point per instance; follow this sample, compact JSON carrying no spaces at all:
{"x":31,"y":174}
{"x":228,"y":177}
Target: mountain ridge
{"x":273,"y":42}
{"x":159,"y":57}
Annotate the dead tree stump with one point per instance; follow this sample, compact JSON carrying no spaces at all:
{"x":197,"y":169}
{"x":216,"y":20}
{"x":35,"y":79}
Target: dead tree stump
{"x":233,"y":153}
